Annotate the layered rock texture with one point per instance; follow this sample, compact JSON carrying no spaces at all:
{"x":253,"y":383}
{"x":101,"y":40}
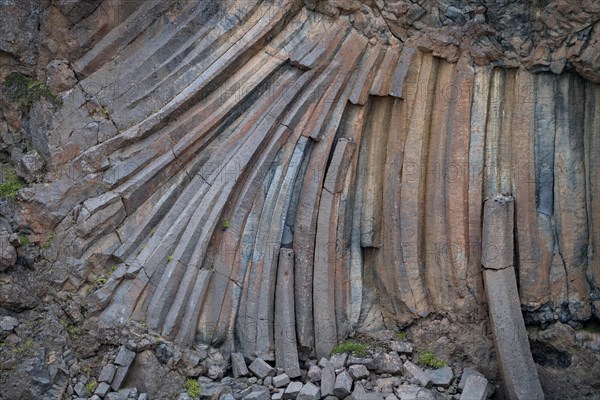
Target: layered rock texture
{"x":200,"y":143}
{"x":268,"y":177}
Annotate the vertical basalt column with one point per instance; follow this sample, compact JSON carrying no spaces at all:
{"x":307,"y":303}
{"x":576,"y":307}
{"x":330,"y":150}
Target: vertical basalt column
{"x":286,"y":352}
{"x":518,"y":370}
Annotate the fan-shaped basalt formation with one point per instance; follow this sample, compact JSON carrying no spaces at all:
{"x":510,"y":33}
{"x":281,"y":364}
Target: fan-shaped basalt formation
{"x":265,"y":177}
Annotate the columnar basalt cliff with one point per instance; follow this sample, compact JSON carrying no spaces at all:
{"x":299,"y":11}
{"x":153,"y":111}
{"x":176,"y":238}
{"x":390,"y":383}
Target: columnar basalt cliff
{"x":270,"y":177}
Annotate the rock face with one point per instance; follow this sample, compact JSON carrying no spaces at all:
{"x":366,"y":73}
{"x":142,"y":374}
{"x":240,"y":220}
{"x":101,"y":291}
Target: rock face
{"x":267,"y":179}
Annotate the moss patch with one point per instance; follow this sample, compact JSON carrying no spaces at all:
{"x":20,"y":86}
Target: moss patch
{"x":354,"y":348}
{"x":28,"y":90}
{"x":193,"y":388}
{"x":428,"y":359}
{"x":10,"y":183}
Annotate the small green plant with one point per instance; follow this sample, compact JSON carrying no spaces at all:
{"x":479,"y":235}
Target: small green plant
{"x":354,"y":348}
{"x":101,"y":280}
{"x":193,"y":388}
{"x":170,"y":257}
{"x":49,"y":241}
{"x":106,"y":111}
{"x":226,"y":224}
{"x":428,"y":359}
{"x":10,"y":183}
{"x":27,"y":90}
{"x":91,"y":386}
{"x":401,"y":335}
{"x":25,"y":348}
{"x":113,"y":268}
{"x":24,"y":240}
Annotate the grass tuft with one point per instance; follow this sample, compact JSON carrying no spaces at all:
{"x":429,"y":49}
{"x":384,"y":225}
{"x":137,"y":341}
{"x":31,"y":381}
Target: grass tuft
{"x":193,"y":388}
{"x":10,"y":183}
{"x":28,"y":90}
{"x":355,"y":349}
{"x":428,"y":359}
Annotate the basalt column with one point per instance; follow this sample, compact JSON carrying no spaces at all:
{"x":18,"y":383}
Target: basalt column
{"x":519,"y":375}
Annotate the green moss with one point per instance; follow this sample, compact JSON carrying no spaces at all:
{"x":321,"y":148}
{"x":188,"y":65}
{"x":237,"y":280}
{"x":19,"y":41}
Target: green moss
{"x":24,"y":240}
{"x":170,"y":257}
{"x":10,"y":183}
{"x":49,"y":241}
{"x":226,"y":224}
{"x":24,"y":348}
{"x":28,"y":90}
{"x":91,"y":386}
{"x":356,"y":349}
{"x":401,"y":335}
{"x":193,"y":388}
{"x":428,"y":359}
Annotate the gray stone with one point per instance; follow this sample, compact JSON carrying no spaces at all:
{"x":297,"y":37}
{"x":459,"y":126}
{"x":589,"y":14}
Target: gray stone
{"x":465,"y":374}
{"x":8,"y":323}
{"x":291,"y":392}
{"x":81,"y":390}
{"x":476,"y":387}
{"x":212,"y":391}
{"x":402,"y":347}
{"x":314,"y":374}
{"x":268,"y":381}
{"x":281,"y":380}
{"x":441,"y":377}
{"x":102,"y":389}
{"x":277,"y":395}
{"x":339,"y":360}
{"x":366,"y":361}
{"x":8,"y":253}
{"x":343,"y":385}
{"x":327,"y":378}
{"x":358,"y":371}
{"x":391,"y":396}
{"x":414,"y":392}
{"x":59,"y":76}
{"x":414,"y":371}
{"x":359,"y":392}
{"x":261,"y":369}
{"x":119,"y":378}
{"x":309,"y":392}
{"x":107,"y":374}
{"x":228,"y":396}
{"x":258,"y":395}
{"x":215,"y":372}
{"x":387,"y":385}
{"x":125,"y":357}
{"x":30,"y":166}
{"x":238,"y":365}
{"x":143,"y":396}
{"x":388,"y":363}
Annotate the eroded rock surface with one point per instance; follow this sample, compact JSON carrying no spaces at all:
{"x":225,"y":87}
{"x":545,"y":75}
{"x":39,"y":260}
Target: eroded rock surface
{"x":269,"y":178}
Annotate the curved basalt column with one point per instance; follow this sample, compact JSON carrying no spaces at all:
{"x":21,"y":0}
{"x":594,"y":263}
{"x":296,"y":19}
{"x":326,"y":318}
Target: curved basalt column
{"x":200,"y":148}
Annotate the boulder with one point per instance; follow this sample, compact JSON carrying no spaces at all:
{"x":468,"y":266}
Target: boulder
{"x":281,"y":380}
{"x":8,"y":253}
{"x":343,"y":385}
{"x":261,"y":369}
{"x":476,"y":387}
{"x":309,"y":392}
{"x":416,"y":372}
{"x":441,"y":377}
{"x":358,"y":371}
{"x":292,"y":391}
{"x":238,"y":365}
